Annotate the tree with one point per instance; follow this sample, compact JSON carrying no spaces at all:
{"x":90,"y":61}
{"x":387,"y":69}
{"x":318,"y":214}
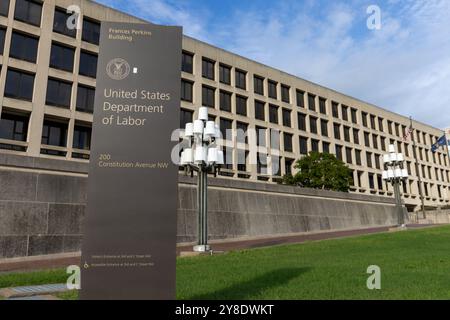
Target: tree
{"x":320,"y":171}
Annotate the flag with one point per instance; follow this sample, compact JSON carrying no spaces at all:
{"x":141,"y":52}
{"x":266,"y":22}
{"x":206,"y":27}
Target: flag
{"x":408,"y":133}
{"x":442,"y":141}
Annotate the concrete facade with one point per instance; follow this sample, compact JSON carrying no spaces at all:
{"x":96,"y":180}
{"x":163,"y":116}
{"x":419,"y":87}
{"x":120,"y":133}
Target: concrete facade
{"x":42,"y":205}
{"x":379,"y":126}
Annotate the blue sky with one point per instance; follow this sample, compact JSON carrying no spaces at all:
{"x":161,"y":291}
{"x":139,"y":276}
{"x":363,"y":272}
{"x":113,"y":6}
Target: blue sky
{"x":404,"y":66}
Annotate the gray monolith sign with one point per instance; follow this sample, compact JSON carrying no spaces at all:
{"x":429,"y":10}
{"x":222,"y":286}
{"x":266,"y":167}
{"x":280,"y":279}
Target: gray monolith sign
{"x":129,"y":244}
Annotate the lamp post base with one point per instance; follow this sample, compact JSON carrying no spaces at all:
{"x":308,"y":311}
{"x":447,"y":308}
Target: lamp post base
{"x":202,"y":248}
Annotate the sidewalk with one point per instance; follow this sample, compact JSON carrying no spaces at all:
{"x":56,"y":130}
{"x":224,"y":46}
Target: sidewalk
{"x":67,"y":259}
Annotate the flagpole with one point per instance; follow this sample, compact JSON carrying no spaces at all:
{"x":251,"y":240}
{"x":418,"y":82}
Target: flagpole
{"x":422,"y":201}
{"x":446,"y":146}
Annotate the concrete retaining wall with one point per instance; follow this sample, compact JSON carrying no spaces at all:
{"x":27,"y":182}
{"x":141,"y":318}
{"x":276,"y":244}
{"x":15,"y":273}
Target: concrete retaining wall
{"x":42,"y":205}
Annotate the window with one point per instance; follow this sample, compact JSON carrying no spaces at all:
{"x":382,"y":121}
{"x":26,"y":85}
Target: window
{"x":371,"y":181}
{"x":354,"y":113}
{"x":88,"y":64}
{"x":241,"y":105}
{"x":287,"y":118}
{"x":313,"y":124}
{"x":314,"y":145}
{"x":186,"y":116}
{"x":348,"y":155}
{"x":312,"y":102}
{"x":242,"y":160}
{"x":82,"y":138}
{"x":346,"y":134}
{"x":91,"y":31}
{"x":259,"y":111}
{"x":367,"y":139}
{"x":377,"y":161}
{"x":24,"y":47}
{"x":19,"y":85}
{"x":380,"y":124}
{"x":383,"y":143}
{"x":303,"y":145}
{"x":324,"y":127}
{"x":226,"y":126}
{"x":364,"y":119}
{"x":287,"y":142}
{"x":259,"y":85}
{"x":322,"y":106}
{"x":288,"y":163}
{"x":375,"y":141}
{"x":325,"y":147}
{"x":344,"y":112}
{"x":62,"y":57}
{"x":358,"y":157}
{"x":60,"y":23}
{"x":273,"y":114}
{"x":355,"y":136}
{"x":335,"y":109}
{"x":186,"y":90}
{"x":369,"y":159}
{"x":273,"y":89}
{"x":54,"y":134}
{"x":241,"y":79}
{"x":85,"y":99}
{"x":187,"y":62}
{"x":4,"y":7}
{"x":301,"y":121}
{"x":58,"y":93}
{"x":337,"y":131}
{"x":285,"y":94}
{"x":300,"y":99}
{"x":208,"y":68}
{"x":390,"y":127}
{"x":260,"y":137}
{"x":372,"y":122}
{"x":28,"y":11}
{"x":241,"y":134}
{"x":13,"y":127}
{"x":261,"y":163}
{"x":2,"y":40}
{"x":208,"y":96}
{"x":225,"y":101}
{"x":224,"y":74}
{"x":339,"y":152}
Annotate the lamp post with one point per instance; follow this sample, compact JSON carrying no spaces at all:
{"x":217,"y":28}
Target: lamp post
{"x":203,"y":156}
{"x":395,"y":173}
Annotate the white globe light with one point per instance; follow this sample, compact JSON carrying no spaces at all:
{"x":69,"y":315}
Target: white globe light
{"x":393,"y":157}
{"x":189,"y":131}
{"x":200,"y":155}
{"x":387,"y":158}
{"x":212,"y":155}
{"x":203,"y":114}
{"x":210,"y":129}
{"x":198,"y":127}
{"x":391,"y":148}
{"x":398,"y":173}
{"x":187,"y":157}
{"x":385,"y":175}
{"x":405,"y":173}
{"x":390,"y":173}
{"x":218,"y":133}
{"x":400,"y":157}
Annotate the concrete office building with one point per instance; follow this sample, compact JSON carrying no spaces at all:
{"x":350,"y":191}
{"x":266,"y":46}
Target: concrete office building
{"x":47,"y":86}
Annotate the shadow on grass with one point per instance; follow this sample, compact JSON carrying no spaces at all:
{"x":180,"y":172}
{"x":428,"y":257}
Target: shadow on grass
{"x":251,"y":288}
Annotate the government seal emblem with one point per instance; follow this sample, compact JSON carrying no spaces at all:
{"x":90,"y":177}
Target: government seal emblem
{"x":118,"y":69}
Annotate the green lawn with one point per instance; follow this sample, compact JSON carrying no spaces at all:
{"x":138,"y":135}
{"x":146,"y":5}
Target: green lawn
{"x":414,"y":265}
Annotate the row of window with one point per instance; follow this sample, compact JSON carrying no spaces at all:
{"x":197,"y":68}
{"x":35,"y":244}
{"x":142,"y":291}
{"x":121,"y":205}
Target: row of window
{"x":19,"y":85}
{"x":339,"y":111}
{"x":30,"y":11}
{"x":14,"y":126}
{"x":25,"y":47}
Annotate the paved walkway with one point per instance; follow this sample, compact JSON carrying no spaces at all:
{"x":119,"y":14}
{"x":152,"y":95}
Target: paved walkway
{"x":64,"y":260}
